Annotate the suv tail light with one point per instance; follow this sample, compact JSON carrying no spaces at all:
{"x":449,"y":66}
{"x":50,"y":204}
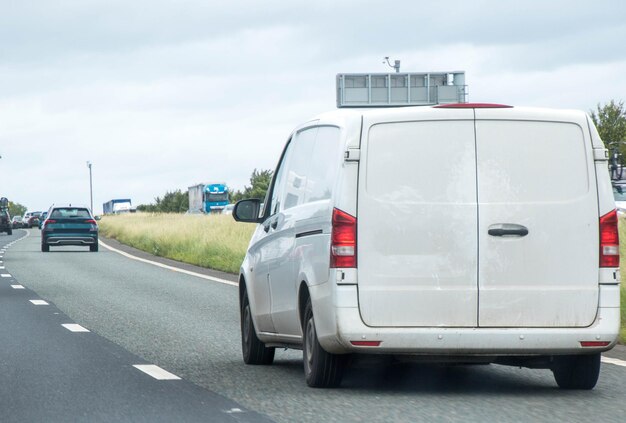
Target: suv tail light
{"x":92,"y":221}
{"x":343,"y":240}
{"x":609,"y":240}
{"x":47,"y":222}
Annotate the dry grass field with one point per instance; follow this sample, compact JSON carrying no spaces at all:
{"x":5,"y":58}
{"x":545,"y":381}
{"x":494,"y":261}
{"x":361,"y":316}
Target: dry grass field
{"x":213,"y":241}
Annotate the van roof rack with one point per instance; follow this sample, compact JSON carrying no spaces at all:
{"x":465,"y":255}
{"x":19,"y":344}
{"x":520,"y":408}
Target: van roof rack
{"x":400,"y":89}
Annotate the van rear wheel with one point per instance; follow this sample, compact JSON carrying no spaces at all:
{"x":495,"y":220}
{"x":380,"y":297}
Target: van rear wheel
{"x":321,"y":368}
{"x":576,"y":371}
{"x":254,"y":351}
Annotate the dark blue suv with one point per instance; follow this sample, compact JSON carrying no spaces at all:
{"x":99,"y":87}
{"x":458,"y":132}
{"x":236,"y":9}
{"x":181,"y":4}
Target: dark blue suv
{"x":69,"y":225}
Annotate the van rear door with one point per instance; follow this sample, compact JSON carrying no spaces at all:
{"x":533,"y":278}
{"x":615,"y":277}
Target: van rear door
{"x":417,"y":223}
{"x":536,"y":175}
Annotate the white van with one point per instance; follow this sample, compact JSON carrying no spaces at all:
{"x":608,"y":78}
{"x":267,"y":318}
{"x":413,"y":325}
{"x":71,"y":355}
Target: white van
{"x":464,"y":232}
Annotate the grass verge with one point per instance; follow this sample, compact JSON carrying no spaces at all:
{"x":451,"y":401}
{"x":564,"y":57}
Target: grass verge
{"x":213,"y":241}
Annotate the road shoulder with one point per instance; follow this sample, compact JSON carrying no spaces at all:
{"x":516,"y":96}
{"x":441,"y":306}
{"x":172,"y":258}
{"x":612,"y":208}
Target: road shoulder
{"x":169,"y":262}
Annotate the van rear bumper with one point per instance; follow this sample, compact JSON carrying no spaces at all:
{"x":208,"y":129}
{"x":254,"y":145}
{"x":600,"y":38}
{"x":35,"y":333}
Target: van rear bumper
{"x":343,"y":325}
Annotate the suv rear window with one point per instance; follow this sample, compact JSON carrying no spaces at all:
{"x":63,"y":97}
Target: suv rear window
{"x":70,"y":212}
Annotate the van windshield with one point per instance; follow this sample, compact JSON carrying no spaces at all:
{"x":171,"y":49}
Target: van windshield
{"x":217,"y":197}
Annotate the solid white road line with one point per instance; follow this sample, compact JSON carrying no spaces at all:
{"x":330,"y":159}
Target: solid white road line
{"x":39,"y":302}
{"x":17,"y":287}
{"x":156,"y":372}
{"x":73,"y":327}
{"x":172,"y":268}
{"x":615,"y":361}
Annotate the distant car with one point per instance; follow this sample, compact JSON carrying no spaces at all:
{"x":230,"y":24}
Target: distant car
{"x":228,"y":209}
{"x":5,"y":221}
{"x":16,"y":222}
{"x":31,"y":219}
{"x":25,"y":219}
{"x":42,"y":218}
{"x":69,"y":225}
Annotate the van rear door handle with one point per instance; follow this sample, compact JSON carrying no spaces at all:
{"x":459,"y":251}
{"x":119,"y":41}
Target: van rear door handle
{"x":507,"y":229}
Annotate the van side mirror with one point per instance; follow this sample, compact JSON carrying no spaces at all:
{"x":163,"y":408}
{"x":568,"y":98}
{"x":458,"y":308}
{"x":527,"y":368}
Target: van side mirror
{"x":247,"y":210}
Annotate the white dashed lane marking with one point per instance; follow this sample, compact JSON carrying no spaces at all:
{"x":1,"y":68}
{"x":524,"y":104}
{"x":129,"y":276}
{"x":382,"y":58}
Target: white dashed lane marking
{"x":156,"y":372}
{"x":5,"y":275}
{"x":615,"y":361}
{"x":17,"y":287}
{"x":73,"y":327}
{"x":39,"y":302}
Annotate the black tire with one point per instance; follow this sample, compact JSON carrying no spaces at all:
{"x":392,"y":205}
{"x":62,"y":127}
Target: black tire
{"x":254,"y":351}
{"x":10,"y":231}
{"x":45,"y":247}
{"x":576,"y":371}
{"x":93,"y":248}
{"x":321,"y":368}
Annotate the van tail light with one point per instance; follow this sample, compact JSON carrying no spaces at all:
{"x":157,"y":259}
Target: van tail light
{"x":343,"y":240}
{"x":609,"y":240}
{"x":594,"y":343}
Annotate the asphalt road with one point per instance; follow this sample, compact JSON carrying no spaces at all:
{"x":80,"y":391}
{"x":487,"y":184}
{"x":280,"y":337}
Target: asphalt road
{"x":189,"y":326}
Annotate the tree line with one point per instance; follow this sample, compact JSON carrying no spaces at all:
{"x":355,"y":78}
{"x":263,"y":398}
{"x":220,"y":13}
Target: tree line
{"x":610,"y":120}
{"x":16,"y":209}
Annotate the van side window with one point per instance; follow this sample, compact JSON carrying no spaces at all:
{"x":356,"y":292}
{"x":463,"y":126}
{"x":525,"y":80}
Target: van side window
{"x":323,"y":164}
{"x":297,"y":168}
{"x":278,"y":182}
{"x":308,"y":169}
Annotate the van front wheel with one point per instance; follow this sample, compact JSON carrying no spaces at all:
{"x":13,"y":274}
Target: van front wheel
{"x":254,"y":351}
{"x":576,"y":371}
{"x":321,"y":369}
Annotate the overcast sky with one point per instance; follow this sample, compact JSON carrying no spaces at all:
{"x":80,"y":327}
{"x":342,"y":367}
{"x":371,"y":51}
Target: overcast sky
{"x":160,"y":95}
